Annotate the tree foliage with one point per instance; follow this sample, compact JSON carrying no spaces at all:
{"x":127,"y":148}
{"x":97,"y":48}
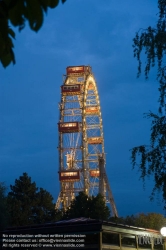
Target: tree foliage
{"x":4,"y":215}
{"x":149,"y":220}
{"x":29,"y":206}
{"x":153,"y":42}
{"x":17,"y":13}
{"x":89,"y":207}
{"x":152,"y":158}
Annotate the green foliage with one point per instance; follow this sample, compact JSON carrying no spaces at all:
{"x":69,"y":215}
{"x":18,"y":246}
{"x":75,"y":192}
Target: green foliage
{"x":4,"y":215}
{"x":79,"y":207}
{"x":152,"y":158}
{"x":99,"y":210}
{"x":90,"y":207}
{"x":18,"y":12}
{"x":45,"y":211}
{"x":29,"y":206}
{"x":153,"y":42}
{"x":151,"y":220}
{"x":128,"y":220}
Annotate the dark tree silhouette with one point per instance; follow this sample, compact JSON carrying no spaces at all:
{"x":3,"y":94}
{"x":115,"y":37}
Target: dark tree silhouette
{"x":4,"y":214}
{"x":17,"y":13}
{"x":90,"y":207}
{"x":29,"y":206}
{"x":152,"y":158}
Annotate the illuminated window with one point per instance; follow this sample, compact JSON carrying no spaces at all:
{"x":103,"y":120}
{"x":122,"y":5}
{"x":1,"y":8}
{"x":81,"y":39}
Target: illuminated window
{"x":69,"y":174}
{"x":65,"y":125}
{"x":94,"y":173}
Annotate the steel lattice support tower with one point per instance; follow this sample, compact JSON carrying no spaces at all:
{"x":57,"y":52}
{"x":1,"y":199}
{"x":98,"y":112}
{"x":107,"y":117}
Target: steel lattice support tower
{"x":81,"y":140}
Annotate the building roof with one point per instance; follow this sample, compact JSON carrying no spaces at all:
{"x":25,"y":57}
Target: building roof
{"x":81,"y":224}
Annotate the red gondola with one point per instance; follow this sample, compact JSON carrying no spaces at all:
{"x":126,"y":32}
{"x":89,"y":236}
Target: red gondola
{"x":76,"y":70}
{"x":71,"y":89}
{"x":68,"y":127}
{"x":72,"y":175}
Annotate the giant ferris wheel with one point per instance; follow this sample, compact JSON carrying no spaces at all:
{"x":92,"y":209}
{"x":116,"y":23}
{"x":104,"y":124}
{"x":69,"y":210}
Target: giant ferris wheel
{"x":81,"y":140}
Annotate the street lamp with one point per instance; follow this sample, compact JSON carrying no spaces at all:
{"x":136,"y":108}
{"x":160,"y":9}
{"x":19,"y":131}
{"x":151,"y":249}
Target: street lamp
{"x":163,"y":233}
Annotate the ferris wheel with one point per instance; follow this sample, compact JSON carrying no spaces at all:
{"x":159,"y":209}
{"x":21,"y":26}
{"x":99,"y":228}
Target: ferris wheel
{"x":81,"y":140}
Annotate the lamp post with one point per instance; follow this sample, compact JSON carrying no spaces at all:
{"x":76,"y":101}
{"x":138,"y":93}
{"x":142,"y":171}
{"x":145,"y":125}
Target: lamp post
{"x":163,"y":233}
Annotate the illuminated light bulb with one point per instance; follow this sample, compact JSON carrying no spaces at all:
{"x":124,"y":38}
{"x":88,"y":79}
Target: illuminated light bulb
{"x":163,"y":231}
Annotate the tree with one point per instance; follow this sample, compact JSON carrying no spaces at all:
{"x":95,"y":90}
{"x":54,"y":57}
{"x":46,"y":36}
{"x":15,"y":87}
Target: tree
{"x":99,"y":210}
{"x":45,"y":208}
{"x":90,"y":207}
{"x":4,"y":215}
{"x":128,"y":220}
{"x":17,"y":13}
{"x":153,"y":157}
{"x":29,"y":206}
{"x":150,"y":220}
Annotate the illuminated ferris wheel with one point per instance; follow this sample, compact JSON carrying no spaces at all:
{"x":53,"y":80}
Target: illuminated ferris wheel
{"x":81,"y":141}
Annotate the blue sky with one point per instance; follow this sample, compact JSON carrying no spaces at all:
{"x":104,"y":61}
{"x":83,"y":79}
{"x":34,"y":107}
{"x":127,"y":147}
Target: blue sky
{"x":96,"y":33}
